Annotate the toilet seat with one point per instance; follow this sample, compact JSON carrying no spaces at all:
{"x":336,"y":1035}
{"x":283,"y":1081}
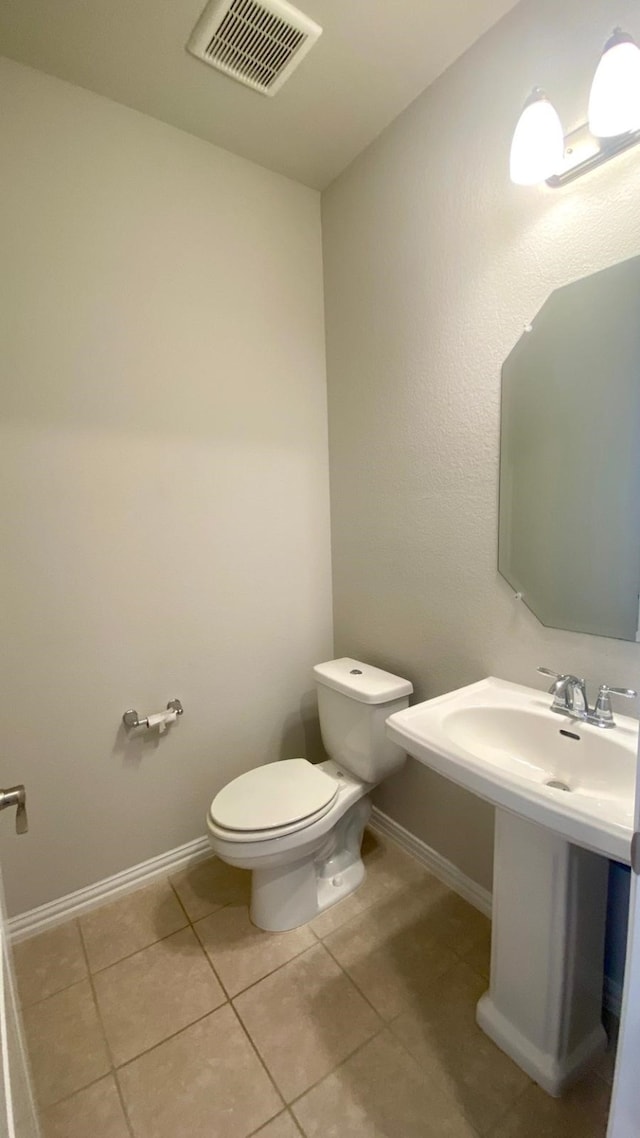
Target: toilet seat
{"x":272,"y":801}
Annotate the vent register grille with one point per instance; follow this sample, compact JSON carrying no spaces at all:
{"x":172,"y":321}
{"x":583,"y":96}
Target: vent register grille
{"x":258,"y":42}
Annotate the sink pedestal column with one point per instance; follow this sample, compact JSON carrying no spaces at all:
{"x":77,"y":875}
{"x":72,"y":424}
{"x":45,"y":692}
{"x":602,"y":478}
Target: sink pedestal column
{"x":544,"y":1002}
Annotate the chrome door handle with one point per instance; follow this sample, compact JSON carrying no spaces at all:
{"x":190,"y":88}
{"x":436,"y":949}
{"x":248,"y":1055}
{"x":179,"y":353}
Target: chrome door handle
{"x":16,"y":796}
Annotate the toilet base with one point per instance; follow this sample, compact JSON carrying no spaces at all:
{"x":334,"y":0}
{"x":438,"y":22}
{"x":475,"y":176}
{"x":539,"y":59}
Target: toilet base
{"x":287,"y":896}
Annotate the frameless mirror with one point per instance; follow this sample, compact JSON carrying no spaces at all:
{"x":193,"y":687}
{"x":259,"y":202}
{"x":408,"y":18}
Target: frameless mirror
{"x":569,"y":532}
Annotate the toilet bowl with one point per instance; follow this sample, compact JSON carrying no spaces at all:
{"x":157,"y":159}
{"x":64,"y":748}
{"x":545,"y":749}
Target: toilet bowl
{"x":297,"y":826}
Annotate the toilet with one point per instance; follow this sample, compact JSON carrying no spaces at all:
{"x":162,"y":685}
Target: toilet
{"x":298,"y":827}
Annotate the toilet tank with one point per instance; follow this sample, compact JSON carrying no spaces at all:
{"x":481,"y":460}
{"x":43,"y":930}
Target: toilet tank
{"x":354,"y":701}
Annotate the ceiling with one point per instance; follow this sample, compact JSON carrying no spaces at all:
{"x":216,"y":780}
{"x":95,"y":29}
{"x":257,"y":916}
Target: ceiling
{"x":373,"y":59}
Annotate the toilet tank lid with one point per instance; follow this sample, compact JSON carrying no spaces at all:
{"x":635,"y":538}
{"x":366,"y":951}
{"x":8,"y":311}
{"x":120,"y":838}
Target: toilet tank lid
{"x":361,"y":681}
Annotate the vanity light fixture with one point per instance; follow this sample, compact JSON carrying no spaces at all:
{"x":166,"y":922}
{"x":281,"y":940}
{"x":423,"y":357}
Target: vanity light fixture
{"x":537,"y":148}
{"x":614,"y":102}
{"x":541,"y":153}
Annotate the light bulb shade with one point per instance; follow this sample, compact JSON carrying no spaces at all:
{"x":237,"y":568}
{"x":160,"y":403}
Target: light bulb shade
{"x":614,"y":102}
{"x":537,"y":148}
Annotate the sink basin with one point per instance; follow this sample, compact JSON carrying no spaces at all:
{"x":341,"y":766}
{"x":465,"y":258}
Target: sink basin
{"x":502,"y":741}
{"x":564,"y":797}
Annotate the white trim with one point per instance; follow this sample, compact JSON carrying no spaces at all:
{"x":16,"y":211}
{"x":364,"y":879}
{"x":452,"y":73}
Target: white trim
{"x":75,"y":904}
{"x":440,"y":866}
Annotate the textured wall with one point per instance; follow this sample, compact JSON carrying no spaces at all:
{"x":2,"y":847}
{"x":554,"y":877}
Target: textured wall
{"x":433,"y":264}
{"x":163,"y":458}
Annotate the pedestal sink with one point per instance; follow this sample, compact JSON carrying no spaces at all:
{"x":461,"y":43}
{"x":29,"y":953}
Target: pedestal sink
{"x":564,"y":792}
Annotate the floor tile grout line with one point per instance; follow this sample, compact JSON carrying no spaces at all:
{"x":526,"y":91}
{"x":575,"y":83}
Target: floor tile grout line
{"x":24,"y":1004}
{"x":388,"y":1025}
{"x":393,"y":894}
{"x":296,"y":1123}
{"x":118,"y":1066}
{"x":263,"y":1125}
{"x":502,"y":1114}
{"x":288,"y":1105}
{"x":192,"y":922}
{"x":255,"y":1133}
{"x":209,"y":960}
{"x":179,"y":900}
{"x":261,"y":1061}
{"x":95,"y":971}
{"x":126,"y":896}
{"x":253,"y":983}
{"x":67,"y":1098}
{"x":105,"y":1074}
{"x":356,"y":986}
{"x":104,"y":1035}
{"x":312,"y":1086}
{"x":460,"y":958}
{"x":442,"y":1087}
{"x":374,"y":1035}
{"x":402,"y":887}
{"x":123,"y":1104}
{"x":137,"y":951}
{"x":304,"y":1132}
{"x":318,"y":940}
{"x":266,"y":976}
{"x":115,"y":1068}
{"x":114,"y":964}
{"x":230,"y":996}
{"x":173,"y":1035}
{"x":512,"y":1106}
{"x":52,"y":995}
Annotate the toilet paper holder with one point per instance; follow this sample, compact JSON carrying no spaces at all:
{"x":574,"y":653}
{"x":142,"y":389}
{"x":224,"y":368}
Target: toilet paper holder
{"x":131,"y":719}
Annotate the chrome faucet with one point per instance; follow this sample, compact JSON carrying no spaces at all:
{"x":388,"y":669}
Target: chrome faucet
{"x":570,"y":698}
{"x":569,"y":693}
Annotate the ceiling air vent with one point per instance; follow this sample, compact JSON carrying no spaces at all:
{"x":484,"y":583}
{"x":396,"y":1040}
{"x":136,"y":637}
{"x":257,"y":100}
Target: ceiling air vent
{"x":258,"y":42}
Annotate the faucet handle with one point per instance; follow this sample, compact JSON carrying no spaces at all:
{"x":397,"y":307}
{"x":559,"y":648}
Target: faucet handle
{"x":602,"y":714}
{"x":558,"y":681}
{"x":628,"y":693}
{"x":557,"y":676}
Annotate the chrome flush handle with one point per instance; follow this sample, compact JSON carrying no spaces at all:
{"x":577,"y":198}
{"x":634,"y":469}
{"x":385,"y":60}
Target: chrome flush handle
{"x":16,"y":796}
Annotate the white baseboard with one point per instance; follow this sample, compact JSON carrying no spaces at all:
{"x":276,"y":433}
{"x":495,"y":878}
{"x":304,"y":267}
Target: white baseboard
{"x":439,"y":866}
{"x":75,"y":904}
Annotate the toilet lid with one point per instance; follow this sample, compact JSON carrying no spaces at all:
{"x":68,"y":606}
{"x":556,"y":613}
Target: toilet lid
{"x":274,"y":795}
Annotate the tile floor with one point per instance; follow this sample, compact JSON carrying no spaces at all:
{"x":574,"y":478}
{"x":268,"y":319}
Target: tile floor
{"x":167,"y":1015}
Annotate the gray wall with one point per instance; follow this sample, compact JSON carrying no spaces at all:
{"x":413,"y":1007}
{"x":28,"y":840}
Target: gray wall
{"x":433,"y":264}
{"x":163,"y":459}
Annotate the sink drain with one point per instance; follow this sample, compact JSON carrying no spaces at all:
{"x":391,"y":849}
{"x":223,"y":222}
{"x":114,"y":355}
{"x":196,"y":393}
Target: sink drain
{"x":557,"y":785}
